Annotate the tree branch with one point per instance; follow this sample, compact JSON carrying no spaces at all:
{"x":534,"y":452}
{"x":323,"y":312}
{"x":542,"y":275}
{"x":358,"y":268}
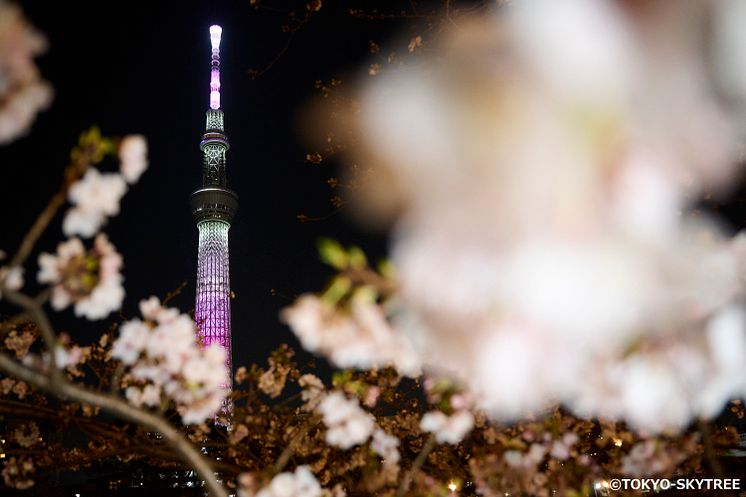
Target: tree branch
{"x":288,"y":452}
{"x":115,"y":406}
{"x":416,"y":465}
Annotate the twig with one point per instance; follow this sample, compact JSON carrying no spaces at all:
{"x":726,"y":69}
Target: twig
{"x":287,"y":453}
{"x":416,"y":465}
{"x":257,"y":73}
{"x":704,"y":428}
{"x":9,"y":324}
{"x":34,"y":307}
{"x":115,"y":406}
{"x":368,"y":277}
{"x":39,"y":226}
{"x":81,"y":158}
{"x":174,"y":293}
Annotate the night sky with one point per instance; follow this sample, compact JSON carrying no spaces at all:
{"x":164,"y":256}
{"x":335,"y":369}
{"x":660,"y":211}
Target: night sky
{"x":144,"y":68}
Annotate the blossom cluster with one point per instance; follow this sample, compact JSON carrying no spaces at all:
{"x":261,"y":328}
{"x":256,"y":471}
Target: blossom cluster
{"x":359,"y":337}
{"x":448,"y":429}
{"x":88,"y":279}
{"x":23,"y":93}
{"x":544,"y":235}
{"x":97,"y":195}
{"x":300,"y":483}
{"x":347,"y":424}
{"x":165,"y":359}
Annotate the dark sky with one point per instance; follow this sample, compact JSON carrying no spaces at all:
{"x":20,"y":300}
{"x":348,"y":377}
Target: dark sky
{"x":143,"y":67}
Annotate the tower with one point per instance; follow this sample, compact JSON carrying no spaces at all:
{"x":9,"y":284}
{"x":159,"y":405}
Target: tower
{"x":213,"y":207}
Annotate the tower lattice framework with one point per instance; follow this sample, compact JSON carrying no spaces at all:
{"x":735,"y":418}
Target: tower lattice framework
{"x":213,"y":207}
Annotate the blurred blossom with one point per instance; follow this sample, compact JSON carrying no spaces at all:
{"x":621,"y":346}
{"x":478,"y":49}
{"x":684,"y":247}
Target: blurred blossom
{"x":27,"y":435}
{"x":525,"y":460}
{"x":19,"y":343}
{"x":347,"y":424}
{"x":448,"y":429}
{"x":651,"y":457}
{"x":11,"y":278}
{"x":95,"y":197}
{"x":89,"y":279}
{"x":359,"y":338}
{"x":313,"y":391}
{"x":22,"y":92}
{"x":386,"y":446}
{"x":537,"y":166}
{"x":301,"y":483}
{"x":67,"y":357}
{"x":17,"y":472}
{"x":165,"y":359}
{"x":133,"y":157}
{"x":560,"y":449}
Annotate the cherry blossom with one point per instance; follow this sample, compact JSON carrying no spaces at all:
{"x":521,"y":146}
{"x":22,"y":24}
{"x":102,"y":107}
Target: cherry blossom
{"x":300,"y":483}
{"x":448,"y":429}
{"x":27,"y":435}
{"x":88,"y":279}
{"x":22,"y":93}
{"x":95,"y":197}
{"x":313,"y":391}
{"x":133,"y":157}
{"x":347,"y":424}
{"x":65,"y":358}
{"x":164,"y":358}
{"x":525,"y":460}
{"x":362,"y":338}
{"x":11,"y":278}
{"x":542,"y":240}
{"x":386,"y":446}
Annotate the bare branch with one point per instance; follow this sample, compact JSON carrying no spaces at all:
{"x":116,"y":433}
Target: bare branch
{"x":290,"y":449}
{"x":416,"y":465}
{"x":41,"y":223}
{"x":117,"y":407}
{"x":34,"y":307}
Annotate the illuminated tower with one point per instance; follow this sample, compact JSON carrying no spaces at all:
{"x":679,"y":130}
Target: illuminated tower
{"x":213,"y":207}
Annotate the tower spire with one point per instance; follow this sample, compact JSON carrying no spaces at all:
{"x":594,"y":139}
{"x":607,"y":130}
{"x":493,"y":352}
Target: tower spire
{"x":213,"y":207}
{"x":215,"y":34}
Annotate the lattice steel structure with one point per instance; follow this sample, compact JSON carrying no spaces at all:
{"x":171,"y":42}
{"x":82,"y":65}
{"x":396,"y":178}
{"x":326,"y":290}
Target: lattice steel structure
{"x":214,"y":206}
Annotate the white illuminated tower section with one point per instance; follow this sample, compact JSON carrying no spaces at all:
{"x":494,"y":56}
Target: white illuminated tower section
{"x":214,"y":206}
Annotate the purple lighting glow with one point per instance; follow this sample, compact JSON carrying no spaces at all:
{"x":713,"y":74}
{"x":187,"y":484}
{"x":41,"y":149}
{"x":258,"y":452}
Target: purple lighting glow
{"x":213,"y":207}
{"x":213,"y":309}
{"x":215,"y":33}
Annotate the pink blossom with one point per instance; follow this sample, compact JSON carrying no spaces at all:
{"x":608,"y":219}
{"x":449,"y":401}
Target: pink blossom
{"x":65,"y":358}
{"x":347,"y":424}
{"x":301,"y":483}
{"x":362,"y":339}
{"x":166,"y":359}
{"x":82,"y":222}
{"x":89,"y":279}
{"x":525,"y":460}
{"x":133,"y":157}
{"x":313,"y":391}
{"x":448,"y":429}
{"x":22,"y":93}
{"x":95,"y":197}
{"x":11,"y":278}
{"x":539,"y":230}
{"x":385,"y":445}
{"x":133,"y":338}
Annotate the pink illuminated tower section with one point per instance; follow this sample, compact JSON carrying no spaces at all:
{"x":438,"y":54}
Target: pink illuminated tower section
{"x":214,"y":206}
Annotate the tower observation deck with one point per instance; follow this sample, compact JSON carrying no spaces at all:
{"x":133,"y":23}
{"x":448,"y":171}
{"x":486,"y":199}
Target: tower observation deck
{"x":213,"y":207}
